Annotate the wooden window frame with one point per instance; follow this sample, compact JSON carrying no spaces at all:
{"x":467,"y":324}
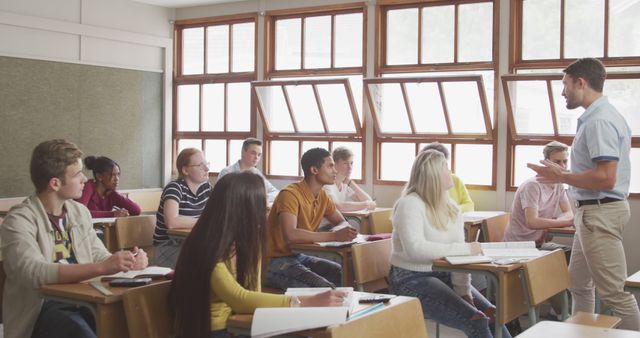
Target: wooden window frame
{"x":381,"y":68}
{"x":271,"y":74}
{"x":516,"y":63}
{"x":180,"y":79}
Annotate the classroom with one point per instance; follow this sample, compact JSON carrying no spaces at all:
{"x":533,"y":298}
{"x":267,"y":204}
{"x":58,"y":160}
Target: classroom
{"x":139,"y":81}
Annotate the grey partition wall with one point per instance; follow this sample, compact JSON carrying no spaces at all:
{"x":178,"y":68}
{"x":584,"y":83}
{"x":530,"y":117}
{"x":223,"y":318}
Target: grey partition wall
{"x":106,"y":111}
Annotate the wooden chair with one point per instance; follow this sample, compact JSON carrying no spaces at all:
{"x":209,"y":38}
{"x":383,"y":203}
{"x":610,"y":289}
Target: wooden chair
{"x":493,"y":228}
{"x":380,"y":221}
{"x":147,"y":200}
{"x":7,"y":203}
{"x":371,"y":264}
{"x":547,"y":276}
{"x":135,"y":231}
{"x":147,"y":311}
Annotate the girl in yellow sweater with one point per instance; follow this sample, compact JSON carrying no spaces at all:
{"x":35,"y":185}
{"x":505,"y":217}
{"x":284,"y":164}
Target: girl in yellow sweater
{"x":218,"y":270}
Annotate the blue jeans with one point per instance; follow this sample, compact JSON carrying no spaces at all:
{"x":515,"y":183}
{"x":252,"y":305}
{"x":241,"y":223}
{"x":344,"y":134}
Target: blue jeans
{"x":440,"y":303}
{"x":63,"y":320}
{"x":300,"y":271}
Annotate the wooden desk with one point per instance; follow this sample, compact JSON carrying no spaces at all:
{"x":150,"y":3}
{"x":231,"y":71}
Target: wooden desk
{"x":401,"y":317}
{"x":509,"y":295}
{"x":108,"y":311}
{"x":7,"y":203}
{"x":179,"y":233}
{"x":548,"y":329}
{"x":363,"y":218}
{"x":107,"y":225}
{"x":341,"y":255}
{"x":568,"y":232}
{"x":632,"y":283}
{"x":473,"y":222}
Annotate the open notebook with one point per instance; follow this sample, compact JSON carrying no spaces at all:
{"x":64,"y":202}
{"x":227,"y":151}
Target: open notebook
{"x":150,"y":272}
{"x":499,"y":251}
{"x":359,"y":239}
{"x":269,"y":322}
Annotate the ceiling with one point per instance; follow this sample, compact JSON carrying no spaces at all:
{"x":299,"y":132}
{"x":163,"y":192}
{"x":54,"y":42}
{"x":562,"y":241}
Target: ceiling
{"x":184,"y":3}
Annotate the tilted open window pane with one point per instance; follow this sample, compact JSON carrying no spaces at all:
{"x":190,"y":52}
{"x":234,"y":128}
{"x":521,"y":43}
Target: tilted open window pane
{"x":540,"y":41}
{"x":426,"y":106}
{"x":288,"y":44}
{"x":466,"y":115}
{"x":348,"y":39}
{"x":193,"y":51}
{"x":305,"y":108}
{"x":273,"y":106}
{"x":330,"y":111}
{"x":580,"y":39}
{"x":213,"y":107}
{"x":389,"y":106}
{"x":243,"y":47}
{"x":218,"y":49}
{"x":188,"y":108}
{"x":402,"y":36}
{"x":624,"y":28}
{"x":530,"y":106}
{"x":284,"y":158}
{"x":475,"y":32}
{"x":438,"y":31}
{"x":567,"y":119}
{"x":317,"y":42}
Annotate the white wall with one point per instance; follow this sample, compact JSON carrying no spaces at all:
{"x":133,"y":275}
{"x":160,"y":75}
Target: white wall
{"x":385,"y":194}
{"x":113,"y":33}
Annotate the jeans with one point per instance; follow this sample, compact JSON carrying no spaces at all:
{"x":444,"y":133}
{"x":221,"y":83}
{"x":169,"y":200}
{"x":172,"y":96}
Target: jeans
{"x":597,"y":259}
{"x":63,"y":320}
{"x":302,"y":271}
{"x":441,"y":303}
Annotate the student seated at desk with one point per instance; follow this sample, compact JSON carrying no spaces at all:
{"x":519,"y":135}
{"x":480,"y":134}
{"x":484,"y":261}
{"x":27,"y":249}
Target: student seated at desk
{"x":49,"y":239}
{"x":100,"y":195}
{"x":427,"y":226}
{"x":249,"y":158}
{"x":181,"y":203}
{"x":458,"y":191}
{"x":218,"y":271}
{"x":535,"y":204}
{"x":294,"y":218}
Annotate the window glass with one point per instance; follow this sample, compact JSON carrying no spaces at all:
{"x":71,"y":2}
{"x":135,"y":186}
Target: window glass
{"x":623,"y":28}
{"x":336,"y":108}
{"x":474,"y":163}
{"x":396,"y":160}
{"x":475,"y":32}
{"x":583,"y":28}
{"x":235,"y":148}
{"x":531,"y":110}
{"x":426,"y":107}
{"x":188,"y":107}
{"x":193,"y":51}
{"x":218,"y":49}
{"x":348,"y":40}
{"x":317,"y":42}
{"x":239,"y":106}
{"x":465,"y":115}
{"x":213,"y":107}
{"x":189,"y":143}
{"x":288,"y":44}
{"x":216,"y":154}
{"x":243,"y":47}
{"x":275,"y":108}
{"x":305,"y":108}
{"x":624,"y":94}
{"x":390,"y":108}
{"x":402,"y":36}
{"x":567,"y":119}
{"x":282,"y":153}
{"x":540,"y":41}
{"x":438,"y":34}
{"x":525,"y":154}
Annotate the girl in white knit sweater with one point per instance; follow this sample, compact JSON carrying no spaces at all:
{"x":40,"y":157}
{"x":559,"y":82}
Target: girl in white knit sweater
{"x":427,"y":225}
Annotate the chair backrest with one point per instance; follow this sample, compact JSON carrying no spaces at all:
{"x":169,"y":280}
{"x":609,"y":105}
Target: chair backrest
{"x":546,"y":276}
{"x":396,"y":320}
{"x":147,"y":200}
{"x":493,"y":228}
{"x":147,"y":311}
{"x":371,"y":264}
{"x":135,"y":231}
{"x":7,"y":203}
{"x":380,"y":221}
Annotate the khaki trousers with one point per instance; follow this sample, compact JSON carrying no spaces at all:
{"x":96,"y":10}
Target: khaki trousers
{"x":597,"y":259}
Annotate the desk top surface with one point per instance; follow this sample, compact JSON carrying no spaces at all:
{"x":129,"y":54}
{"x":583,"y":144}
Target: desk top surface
{"x":545,"y":329}
{"x":316,"y":247}
{"x":564,"y":230}
{"x":361,"y":213}
{"x":441,"y":263}
{"x":479,"y":216}
{"x":183,"y":232}
{"x":85,"y":292}
{"x":633,"y":280}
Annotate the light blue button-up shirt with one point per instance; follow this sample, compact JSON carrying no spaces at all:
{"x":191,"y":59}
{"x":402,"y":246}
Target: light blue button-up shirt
{"x":602,"y":135}
{"x":272,"y":191}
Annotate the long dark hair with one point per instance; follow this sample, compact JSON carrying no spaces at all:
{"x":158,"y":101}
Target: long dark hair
{"x":232,"y":223}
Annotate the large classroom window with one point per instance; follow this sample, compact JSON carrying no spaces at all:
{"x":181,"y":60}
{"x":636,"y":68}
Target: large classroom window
{"x":536,"y":110}
{"x":214,"y":68}
{"x":313,"y":93}
{"x":436,"y":69}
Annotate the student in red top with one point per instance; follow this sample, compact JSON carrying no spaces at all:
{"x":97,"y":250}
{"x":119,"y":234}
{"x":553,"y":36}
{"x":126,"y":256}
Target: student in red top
{"x":100,"y":195}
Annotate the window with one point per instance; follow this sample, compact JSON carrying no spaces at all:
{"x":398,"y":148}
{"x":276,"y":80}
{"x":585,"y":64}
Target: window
{"x":412,"y":104}
{"x":533,"y":91}
{"x":215,"y":64}
{"x":313,"y":95}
